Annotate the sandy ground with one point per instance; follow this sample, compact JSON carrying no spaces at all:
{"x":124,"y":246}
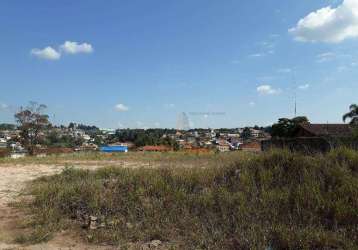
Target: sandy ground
{"x":12,"y":180}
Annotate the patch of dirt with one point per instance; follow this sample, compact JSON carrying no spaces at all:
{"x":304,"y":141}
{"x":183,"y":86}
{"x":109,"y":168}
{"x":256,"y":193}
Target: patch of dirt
{"x":12,"y":179}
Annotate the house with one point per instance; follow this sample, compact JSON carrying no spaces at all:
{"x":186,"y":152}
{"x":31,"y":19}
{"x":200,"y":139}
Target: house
{"x":3,"y":143}
{"x":313,"y":138}
{"x":255,"y":132}
{"x":108,"y":131}
{"x":223,"y":146}
{"x":324,"y":130}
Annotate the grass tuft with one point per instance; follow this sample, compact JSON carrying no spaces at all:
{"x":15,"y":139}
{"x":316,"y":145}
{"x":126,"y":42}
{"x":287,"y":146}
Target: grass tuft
{"x":277,"y":200}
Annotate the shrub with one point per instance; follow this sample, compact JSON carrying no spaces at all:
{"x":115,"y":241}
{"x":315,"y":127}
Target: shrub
{"x":276,"y":200}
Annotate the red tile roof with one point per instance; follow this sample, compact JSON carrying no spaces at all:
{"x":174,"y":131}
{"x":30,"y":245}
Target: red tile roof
{"x":327,"y":129}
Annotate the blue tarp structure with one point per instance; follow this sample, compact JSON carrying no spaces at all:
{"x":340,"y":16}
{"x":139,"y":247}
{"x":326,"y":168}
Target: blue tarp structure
{"x":114,"y":149}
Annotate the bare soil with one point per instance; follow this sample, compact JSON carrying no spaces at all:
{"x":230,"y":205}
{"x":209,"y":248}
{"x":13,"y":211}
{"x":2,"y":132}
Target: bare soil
{"x":13,"y":179}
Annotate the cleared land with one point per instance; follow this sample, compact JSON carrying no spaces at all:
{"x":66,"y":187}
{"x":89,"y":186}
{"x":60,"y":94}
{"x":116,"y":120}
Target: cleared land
{"x":276,"y":200}
{"x":16,"y":174}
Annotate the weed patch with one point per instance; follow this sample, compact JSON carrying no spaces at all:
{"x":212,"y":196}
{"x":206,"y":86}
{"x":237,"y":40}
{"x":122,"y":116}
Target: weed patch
{"x":280,"y":200}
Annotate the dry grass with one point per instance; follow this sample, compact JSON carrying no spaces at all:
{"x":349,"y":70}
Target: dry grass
{"x":238,"y":201}
{"x":185,"y":157}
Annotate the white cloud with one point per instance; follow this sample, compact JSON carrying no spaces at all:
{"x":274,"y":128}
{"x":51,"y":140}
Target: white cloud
{"x":267,"y":90}
{"x":75,"y":48}
{"x":331,"y":25}
{"x":47,"y":53}
{"x":263,"y":54}
{"x":304,"y":87}
{"x":267,"y":44}
{"x":325,"y":57}
{"x":68,"y":47}
{"x":121,"y":107}
{"x":252,"y":104}
{"x":257,"y":55}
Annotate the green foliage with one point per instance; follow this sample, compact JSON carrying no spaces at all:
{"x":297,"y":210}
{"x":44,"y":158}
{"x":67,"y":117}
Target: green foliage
{"x":54,"y":139}
{"x":246,"y":133}
{"x":142,"y":137}
{"x":287,"y":127}
{"x":355,"y":132}
{"x":32,"y":123}
{"x":352,"y":114}
{"x":90,"y":130}
{"x":278,"y":199}
{"x":6,"y":126}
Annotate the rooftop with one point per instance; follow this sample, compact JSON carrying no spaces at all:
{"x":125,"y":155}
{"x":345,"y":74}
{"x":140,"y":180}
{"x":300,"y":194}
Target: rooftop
{"x":327,"y":129}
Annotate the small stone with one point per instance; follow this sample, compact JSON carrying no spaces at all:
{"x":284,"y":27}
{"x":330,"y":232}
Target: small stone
{"x":155,"y":243}
{"x":93,"y":225}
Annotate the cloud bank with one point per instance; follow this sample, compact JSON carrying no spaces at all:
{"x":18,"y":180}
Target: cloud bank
{"x":267,"y":90}
{"x":76,"y":48}
{"x":121,"y":107}
{"x":331,"y":25}
{"x":304,"y":87}
{"x":68,"y":47}
{"x":47,"y":53}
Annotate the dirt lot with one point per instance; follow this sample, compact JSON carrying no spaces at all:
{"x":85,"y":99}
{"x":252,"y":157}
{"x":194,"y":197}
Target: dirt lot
{"x":13,"y":178}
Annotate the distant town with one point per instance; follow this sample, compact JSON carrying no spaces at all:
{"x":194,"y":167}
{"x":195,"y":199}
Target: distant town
{"x":79,"y":137}
{"x":35,"y":135}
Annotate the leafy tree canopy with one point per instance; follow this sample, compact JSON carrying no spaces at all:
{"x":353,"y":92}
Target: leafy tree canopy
{"x":286,"y":127}
{"x":352,"y":115}
{"x":32,"y":123}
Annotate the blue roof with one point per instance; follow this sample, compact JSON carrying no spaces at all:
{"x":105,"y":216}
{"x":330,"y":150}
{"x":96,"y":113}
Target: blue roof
{"x":110,"y":149}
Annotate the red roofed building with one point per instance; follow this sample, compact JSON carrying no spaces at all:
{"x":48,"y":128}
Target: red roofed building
{"x":324,"y":130}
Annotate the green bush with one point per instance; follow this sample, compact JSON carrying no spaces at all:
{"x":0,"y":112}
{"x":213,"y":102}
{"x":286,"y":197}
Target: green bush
{"x":276,"y":200}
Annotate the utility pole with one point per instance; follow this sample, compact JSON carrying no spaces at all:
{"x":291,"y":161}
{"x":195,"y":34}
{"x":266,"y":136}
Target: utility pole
{"x":295,"y":93}
{"x":295,"y":103}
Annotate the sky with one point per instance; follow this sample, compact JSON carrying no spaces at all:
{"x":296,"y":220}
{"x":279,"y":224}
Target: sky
{"x":138,"y":64}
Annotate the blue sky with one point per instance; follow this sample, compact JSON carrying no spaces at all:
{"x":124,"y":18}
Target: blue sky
{"x":136,"y":63}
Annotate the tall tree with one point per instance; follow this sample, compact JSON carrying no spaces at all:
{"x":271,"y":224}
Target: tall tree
{"x":32,"y":123}
{"x":246,"y":133}
{"x":287,"y":127}
{"x":352,"y":114}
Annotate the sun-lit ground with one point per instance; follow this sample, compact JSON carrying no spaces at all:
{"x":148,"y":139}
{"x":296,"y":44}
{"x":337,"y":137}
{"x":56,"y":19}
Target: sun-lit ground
{"x":15,"y":173}
{"x":185,"y":201}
